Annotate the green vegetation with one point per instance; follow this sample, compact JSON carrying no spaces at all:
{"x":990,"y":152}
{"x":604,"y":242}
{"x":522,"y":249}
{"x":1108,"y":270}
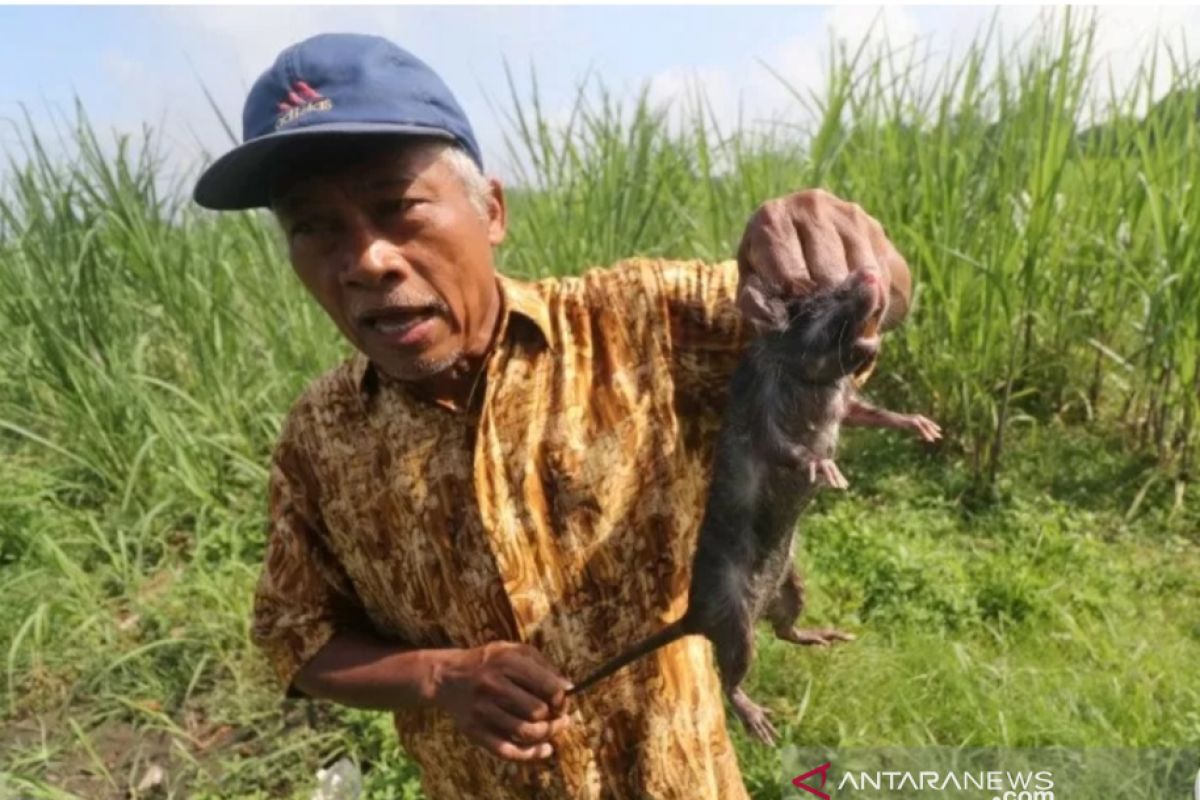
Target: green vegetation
{"x":1032,"y":583}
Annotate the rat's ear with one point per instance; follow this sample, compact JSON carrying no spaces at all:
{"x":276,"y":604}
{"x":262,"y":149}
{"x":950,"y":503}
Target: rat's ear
{"x":765,"y":312}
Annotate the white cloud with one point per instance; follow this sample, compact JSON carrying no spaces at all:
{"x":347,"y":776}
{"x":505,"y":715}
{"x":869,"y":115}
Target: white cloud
{"x":760,"y":88}
{"x":682,"y":88}
{"x":872,"y":25}
{"x":1125,"y":38}
{"x":1123,"y":42}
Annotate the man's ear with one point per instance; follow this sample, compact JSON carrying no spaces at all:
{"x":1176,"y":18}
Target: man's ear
{"x":497,"y":212}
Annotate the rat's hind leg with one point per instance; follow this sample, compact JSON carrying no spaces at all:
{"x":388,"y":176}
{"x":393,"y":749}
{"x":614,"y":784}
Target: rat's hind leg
{"x":733,"y":642}
{"x":786,"y":607}
{"x":753,"y":716}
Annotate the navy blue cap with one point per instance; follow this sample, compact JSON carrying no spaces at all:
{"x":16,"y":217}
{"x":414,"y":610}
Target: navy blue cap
{"x":334,"y":83}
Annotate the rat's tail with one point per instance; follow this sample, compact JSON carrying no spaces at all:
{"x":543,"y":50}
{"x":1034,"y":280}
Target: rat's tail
{"x":676,"y":630}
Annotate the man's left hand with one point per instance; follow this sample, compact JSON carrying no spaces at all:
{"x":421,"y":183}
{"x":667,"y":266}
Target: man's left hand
{"x":808,"y":240}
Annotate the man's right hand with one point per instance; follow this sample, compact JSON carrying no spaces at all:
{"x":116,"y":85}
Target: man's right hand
{"x":505,"y":696}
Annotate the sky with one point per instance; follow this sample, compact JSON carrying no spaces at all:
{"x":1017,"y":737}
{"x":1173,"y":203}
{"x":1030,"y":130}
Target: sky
{"x":139,"y":65}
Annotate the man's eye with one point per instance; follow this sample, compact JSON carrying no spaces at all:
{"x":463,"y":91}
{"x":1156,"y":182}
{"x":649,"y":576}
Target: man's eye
{"x":311,"y":226}
{"x":399,"y":205}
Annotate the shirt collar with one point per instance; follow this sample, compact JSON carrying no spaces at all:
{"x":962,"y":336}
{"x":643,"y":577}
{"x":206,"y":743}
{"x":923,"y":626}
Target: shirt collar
{"x":517,"y":296}
{"x":526,"y":300}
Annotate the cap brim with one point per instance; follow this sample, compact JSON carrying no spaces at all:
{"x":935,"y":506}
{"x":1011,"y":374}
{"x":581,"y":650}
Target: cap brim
{"x":241,"y":178}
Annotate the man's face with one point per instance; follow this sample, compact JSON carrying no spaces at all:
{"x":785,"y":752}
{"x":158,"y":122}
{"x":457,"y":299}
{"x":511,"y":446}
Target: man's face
{"x":396,"y":253}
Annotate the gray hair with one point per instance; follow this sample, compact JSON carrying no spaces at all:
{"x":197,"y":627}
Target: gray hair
{"x":472,"y":177}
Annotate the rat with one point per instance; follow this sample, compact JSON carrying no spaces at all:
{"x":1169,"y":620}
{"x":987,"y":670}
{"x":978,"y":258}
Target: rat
{"x":788,"y":397}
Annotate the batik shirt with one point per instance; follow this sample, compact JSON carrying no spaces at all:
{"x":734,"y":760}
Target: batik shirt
{"x":560,"y":511}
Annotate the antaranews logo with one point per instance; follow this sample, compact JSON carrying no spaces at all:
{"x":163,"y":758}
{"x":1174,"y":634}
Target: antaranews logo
{"x":823,"y":771}
{"x":998,"y":784}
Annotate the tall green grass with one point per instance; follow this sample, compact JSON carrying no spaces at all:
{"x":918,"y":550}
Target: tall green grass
{"x":151,"y":350}
{"x":1055,"y":262}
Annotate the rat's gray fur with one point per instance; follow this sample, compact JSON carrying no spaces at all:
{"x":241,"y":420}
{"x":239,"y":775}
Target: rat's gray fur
{"x":780,"y":430}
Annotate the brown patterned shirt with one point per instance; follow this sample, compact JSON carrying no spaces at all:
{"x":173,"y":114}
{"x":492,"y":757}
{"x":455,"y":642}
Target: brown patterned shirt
{"x":561,"y":511}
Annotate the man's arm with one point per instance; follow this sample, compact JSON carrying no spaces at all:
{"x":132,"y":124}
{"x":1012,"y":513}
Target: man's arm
{"x":506,"y":697}
{"x":708,"y":333}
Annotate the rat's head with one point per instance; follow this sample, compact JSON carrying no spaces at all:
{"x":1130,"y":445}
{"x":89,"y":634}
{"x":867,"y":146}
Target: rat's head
{"x":834,"y":332}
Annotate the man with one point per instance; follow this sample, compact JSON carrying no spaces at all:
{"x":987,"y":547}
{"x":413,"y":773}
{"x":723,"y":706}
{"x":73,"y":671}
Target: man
{"x":502,"y":488}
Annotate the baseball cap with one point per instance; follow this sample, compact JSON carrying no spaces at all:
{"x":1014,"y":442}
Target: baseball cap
{"x":331,"y":84}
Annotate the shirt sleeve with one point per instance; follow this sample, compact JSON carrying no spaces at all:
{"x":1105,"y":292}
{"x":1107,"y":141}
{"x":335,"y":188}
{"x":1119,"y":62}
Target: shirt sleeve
{"x":303,"y":596}
{"x":707,"y":332}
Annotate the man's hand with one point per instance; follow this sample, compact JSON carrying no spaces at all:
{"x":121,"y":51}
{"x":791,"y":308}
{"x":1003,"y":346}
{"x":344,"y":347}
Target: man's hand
{"x":808,"y":240}
{"x":507,"y":697}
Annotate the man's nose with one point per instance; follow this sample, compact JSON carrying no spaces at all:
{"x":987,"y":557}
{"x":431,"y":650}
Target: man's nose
{"x":372,"y":259}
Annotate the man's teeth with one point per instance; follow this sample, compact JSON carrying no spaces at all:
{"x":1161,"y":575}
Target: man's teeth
{"x":396,"y":325}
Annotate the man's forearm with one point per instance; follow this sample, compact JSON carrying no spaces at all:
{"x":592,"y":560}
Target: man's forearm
{"x":504,"y":696}
{"x":353,"y":669}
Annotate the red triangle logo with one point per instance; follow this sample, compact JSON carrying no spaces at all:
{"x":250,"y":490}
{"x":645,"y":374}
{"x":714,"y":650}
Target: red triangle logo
{"x":823,"y":771}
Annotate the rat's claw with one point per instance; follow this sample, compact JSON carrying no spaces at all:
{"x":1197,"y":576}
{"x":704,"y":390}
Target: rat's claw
{"x":830,"y":472}
{"x":927,"y":429}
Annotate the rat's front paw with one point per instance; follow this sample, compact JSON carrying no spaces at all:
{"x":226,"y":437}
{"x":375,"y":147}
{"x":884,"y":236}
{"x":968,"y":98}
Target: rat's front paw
{"x":924,"y":427}
{"x":827,"y":469}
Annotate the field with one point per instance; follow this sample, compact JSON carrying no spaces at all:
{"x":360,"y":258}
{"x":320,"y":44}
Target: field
{"x":1034,"y":582}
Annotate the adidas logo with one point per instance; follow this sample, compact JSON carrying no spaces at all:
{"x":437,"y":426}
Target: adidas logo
{"x":301,"y":100}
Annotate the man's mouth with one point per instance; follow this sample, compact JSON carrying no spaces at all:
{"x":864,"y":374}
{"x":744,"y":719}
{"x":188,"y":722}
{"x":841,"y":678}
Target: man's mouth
{"x":404,"y":327}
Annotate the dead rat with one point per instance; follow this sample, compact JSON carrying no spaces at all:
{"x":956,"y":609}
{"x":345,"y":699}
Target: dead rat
{"x":788,"y":397}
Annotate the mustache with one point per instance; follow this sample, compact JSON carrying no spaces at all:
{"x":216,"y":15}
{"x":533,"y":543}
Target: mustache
{"x":401,"y":303}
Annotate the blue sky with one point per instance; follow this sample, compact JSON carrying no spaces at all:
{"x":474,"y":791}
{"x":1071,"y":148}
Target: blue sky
{"x":134,"y":65}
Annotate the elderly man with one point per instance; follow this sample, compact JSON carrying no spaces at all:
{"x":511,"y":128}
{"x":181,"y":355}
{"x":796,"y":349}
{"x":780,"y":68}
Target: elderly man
{"x":502,"y":488}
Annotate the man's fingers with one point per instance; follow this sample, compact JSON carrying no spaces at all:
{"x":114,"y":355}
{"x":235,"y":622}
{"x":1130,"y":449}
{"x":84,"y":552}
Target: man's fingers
{"x":824,"y":254}
{"x":811,"y":239}
{"x":558,"y":723}
{"x":771,"y":266}
{"x":772,"y":251}
{"x":512,"y":751}
{"x":860,"y":254}
{"x":540,"y":658}
{"x":533,"y":672}
{"x":518,"y":701}
{"x":518,"y":730}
